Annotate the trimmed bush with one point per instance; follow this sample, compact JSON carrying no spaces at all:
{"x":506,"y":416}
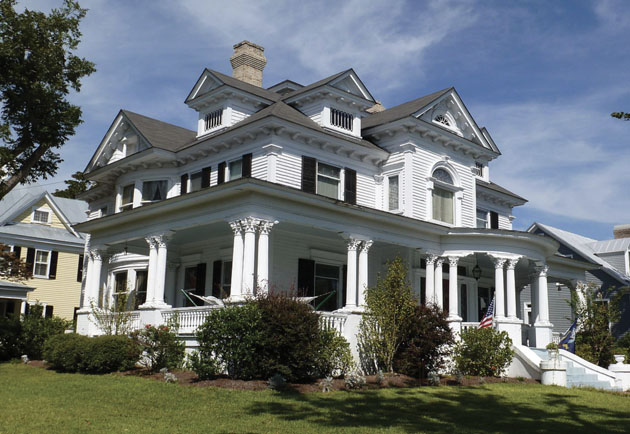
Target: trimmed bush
{"x":98,"y":355}
{"x":335,"y":357}
{"x":204,"y":365}
{"x":484,"y":352}
{"x":10,"y":332}
{"x":427,"y":342}
{"x":160,"y":347}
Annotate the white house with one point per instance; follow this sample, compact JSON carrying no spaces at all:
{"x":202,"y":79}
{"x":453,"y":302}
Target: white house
{"x":310,"y":189}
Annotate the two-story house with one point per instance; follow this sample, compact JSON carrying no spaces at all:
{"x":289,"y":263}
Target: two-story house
{"x":310,"y":189}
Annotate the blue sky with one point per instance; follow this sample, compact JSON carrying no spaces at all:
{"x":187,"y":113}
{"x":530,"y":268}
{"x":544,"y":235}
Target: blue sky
{"x":542,"y":76}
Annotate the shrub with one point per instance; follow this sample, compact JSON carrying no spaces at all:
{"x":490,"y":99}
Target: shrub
{"x":427,"y":342}
{"x":203,"y":364}
{"x":160,"y":347}
{"x":354,"y":380}
{"x":334,"y":355}
{"x":483,"y":352}
{"x":36,"y":330}
{"x":10,"y":332}
{"x":98,"y":355}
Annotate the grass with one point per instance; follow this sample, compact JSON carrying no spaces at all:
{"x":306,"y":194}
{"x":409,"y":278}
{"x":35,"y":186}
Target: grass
{"x":37,"y":400}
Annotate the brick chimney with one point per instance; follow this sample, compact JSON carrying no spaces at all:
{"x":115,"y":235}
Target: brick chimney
{"x":621,"y":231}
{"x":248,"y":62}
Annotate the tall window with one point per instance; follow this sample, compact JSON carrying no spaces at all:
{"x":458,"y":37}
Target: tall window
{"x":153,"y":191}
{"x":141,"y":287}
{"x":213,"y":120}
{"x":236,"y":169}
{"x":42,"y":259}
{"x":482,"y":218}
{"x":327,"y":285}
{"x":328,"y":179}
{"x":393,"y":193}
{"x":226,"y":278}
{"x":443,"y":199}
{"x":127,"y":197}
{"x":341,"y":119}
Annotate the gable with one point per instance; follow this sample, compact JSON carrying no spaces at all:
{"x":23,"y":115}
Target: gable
{"x":26,"y":215}
{"x":350,"y":82}
{"x":205,"y":83}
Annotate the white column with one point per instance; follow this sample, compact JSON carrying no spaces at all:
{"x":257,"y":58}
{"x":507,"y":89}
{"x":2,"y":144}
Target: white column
{"x":160,"y":272}
{"x":439,"y":283}
{"x":543,"y":299}
{"x":236,"y":285}
{"x":151,"y":272}
{"x":534,"y":299}
{"x":511,"y":288}
{"x":453,"y":298}
{"x":499,"y":300}
{"x":351,"y":278}
{"x":429,"y":279}
{"x":97,"y":266}
{"x":363,"y":271}
{"x":249,"y":254}
{"x":89,"y":281}
{"x":263,"y":255}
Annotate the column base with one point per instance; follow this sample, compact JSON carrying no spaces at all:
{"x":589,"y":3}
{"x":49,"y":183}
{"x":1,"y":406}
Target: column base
{"x":542,"y":334}
{"x":554,"y":372}
{"x":513,"y":327}
{"x":455,"y":322}
{"x":352,"y":309}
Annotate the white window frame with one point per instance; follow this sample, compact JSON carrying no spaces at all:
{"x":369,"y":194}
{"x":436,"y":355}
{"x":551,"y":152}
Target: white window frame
{"x":487,"y":225}
{"x":42,"y":210}
{"x":129,"y":205}
{"x":228,"y":175}
{"x":49,"y":254}
{"x":388,"y":176}
{"x":144,"y":181}
{"x":189,"y":182}
{"x":340,"y":179}
{"x":457,"y":191}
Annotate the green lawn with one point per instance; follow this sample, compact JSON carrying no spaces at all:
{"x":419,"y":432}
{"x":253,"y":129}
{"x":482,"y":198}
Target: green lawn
{"x":36,"y":400}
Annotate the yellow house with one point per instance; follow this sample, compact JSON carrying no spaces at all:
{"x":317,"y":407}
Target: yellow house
{"x":38,"y":227}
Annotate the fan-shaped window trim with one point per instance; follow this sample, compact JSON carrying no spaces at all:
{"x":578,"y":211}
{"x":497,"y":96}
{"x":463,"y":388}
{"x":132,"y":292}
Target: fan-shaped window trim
{"x":443,"y":175}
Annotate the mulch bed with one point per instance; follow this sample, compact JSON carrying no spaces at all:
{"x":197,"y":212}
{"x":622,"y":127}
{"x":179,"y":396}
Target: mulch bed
{"x":189,"y":378}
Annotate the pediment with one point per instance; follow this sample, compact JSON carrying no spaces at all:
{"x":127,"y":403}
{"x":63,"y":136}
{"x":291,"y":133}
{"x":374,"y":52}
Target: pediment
{"x":205,"y":83}
{"x":351,"y":83}
{"x":450,"y":113}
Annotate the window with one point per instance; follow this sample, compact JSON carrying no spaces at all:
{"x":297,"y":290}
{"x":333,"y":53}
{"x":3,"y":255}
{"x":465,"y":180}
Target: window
{"x":341,"y":119}
{"x":326,"y":286}
{"x":213,"y":120}
{"x":41,"y":216}
{"x":393,"y":193}
{"x":42,"y":260}
{"x":103,"y":211}
{"x":153,"y":191}
{"x":236,"y":169}
{"x":482,"y":218}
{"x":120,"y":283}
{"x":443,"y":197}
{"x":141,"y":288}
{"x":441,"y":119}
{"x":195,"y":181}
{"x":478,"y":169}
{"x":328,"y":178}
{"x":127,"y":197}
{"x":443,"y":175}
{"x":226,"y":279}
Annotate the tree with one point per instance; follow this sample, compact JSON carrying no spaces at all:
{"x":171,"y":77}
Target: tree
{"x":389,"y":309}
{"x":11,"y":266}
{"x":74,"y":187}
{"x":621,"y":115}
{"x":37,"y":71}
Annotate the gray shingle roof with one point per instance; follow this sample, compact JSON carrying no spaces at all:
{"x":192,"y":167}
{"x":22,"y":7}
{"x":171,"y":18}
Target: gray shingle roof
{"x":401,"y":111}
{"x":495,"y":187}
{"x":315,"y":85}
{"x":160,"y":134}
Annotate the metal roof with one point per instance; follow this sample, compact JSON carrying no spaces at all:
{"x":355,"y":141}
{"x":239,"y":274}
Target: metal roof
{"x":20,"y":198}
{"x":45,"y":233}
{"x":496,"y":187}
{"x":610,"y":246}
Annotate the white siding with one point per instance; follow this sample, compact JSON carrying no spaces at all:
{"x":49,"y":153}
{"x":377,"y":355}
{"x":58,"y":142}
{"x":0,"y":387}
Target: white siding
{"x":365,"y":190}
{"x":289,"y":170}
{"x":617,"y":260}
{"x":259,"y":165}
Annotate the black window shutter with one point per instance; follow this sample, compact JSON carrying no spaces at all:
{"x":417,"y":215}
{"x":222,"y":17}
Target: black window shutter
{"x":306,"y":277}
{"x":54,"y":257}
{"x":80,"y":269}
{"x":350,"y":194}
{"x":184,"y":184}
{"x":49,"y":311}
{"x":205,"y":177}
{"x":247,"y":166}
{"x":216,"y":278}
{"x":17,"y":250}
{"x":309,"y":172}
{"x":27,"y":309}
{"x":221,"y":173}
{"x":201,"y":280}
{"x":494,"y":220}
{"x":30,"y":258}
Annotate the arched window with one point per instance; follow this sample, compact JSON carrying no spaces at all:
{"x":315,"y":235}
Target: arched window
{"x":443,"y":197}
{"x":441,"y":119}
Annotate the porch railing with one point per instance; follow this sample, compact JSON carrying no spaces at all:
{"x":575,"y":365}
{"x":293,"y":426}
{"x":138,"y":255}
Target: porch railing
{"x":188,"y":319}
{"x":332,"y":321}
{"x":469,"y":325}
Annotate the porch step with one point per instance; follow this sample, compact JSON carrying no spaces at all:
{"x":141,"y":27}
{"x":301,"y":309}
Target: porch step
{"x":576,"y":375}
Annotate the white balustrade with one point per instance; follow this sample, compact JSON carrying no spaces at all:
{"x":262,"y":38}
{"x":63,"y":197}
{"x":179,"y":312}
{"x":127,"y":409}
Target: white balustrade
{"x":469,"y":325}
{"x":188,"y":319}
{"x":332,"y":321}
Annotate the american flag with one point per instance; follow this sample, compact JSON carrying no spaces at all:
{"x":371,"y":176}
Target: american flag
{"x":486,"y":321}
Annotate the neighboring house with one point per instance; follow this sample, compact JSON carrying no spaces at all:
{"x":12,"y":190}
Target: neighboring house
{"x":310,"y":189}
{"x":38,"y":226}
{"x":610,"y":270}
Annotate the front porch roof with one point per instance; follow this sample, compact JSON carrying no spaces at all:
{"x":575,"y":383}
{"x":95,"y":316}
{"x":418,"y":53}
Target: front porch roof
{"x":14,"y":290}
{"x":250,"y":196}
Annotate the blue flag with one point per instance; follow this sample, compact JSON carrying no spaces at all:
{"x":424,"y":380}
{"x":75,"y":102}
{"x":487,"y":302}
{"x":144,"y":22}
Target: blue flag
{"x":567,"y":341}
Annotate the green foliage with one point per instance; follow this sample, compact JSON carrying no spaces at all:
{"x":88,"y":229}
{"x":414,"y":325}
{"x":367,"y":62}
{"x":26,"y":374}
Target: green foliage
{"x":114,"y":319}
{"x":10,"y":332}
{"x":36,"y":329}
{"x":74,"y":187}
{"x":594,"y":341}
{"x":160,"y":346}
{"x":427,"y":342}
{"x":12,"y":267}
{"x":484,"y":352}
{"x":390,"y":306}
{"x":621,"y":115}
{"x":267,"y":336}
{"x":39,"y":69}
{"x":97,"y":355}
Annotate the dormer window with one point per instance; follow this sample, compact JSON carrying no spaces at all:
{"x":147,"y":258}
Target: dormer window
{"x":41,"y":216}
{"x":441,"y":119}
{"x":213,"y":120}
{"x":341,"y":119}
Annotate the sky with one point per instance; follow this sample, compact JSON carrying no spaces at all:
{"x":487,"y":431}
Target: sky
{"x":543,"y":77}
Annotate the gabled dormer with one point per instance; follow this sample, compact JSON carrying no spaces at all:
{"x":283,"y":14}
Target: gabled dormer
{"x":337,"y":102}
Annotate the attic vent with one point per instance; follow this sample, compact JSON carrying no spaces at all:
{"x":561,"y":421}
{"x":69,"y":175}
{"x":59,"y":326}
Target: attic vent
{"x":341,"y":119}
{"x":214,"y":119}
{"x":441,"y":119}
